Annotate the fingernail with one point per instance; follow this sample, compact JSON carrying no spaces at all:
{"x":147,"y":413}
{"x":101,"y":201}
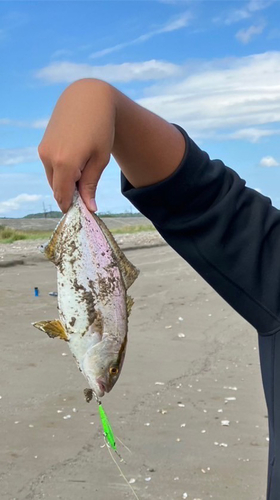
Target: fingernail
{"x":92,"y":205}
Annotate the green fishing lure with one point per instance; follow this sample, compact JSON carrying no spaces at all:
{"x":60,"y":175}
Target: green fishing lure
{"x":107,"y":429}
{"x":111,"y":443}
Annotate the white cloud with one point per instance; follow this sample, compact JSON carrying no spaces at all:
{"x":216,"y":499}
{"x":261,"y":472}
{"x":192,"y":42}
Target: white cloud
{"x":5,"y":121}
{"x":61,"y":53}
{"x":178,"y":23}
{"x":10,"y":22}
{"x":237,"y":98}
{"x":246,"y":35}
{"x":247,"y":11}
{"x":39,"y":124}
{"x":21,"y":201}
{"x":237,"y":15}
{"x":67,"y":72}
{"x":36,"y":124}
{"x":269,"y":161}
{"x":10,"y":157}
{"x":13,"y":184}
{"x":222,"y":96}
{"x":257,"y":5}
{"x":253,"y":134}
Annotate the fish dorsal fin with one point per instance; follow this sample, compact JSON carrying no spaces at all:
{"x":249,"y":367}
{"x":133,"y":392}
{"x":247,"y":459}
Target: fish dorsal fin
{"x":128,"y":271}
{"x":54,"y":248}
{"x":51,"y":250}
{"x":53,"y":328}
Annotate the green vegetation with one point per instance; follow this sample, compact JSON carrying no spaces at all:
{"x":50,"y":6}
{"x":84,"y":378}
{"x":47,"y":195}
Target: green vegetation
{"x":45,"y":215}
{"x":9,"y":235}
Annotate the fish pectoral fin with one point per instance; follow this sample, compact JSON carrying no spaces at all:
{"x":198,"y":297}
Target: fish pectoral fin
{"x":129,"y":304}
{"x":53,"y":328}
{"x":88,"y":395}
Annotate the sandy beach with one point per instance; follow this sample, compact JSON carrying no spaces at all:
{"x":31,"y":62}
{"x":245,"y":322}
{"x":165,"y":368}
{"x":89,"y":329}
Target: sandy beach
{"x":189,"y":403}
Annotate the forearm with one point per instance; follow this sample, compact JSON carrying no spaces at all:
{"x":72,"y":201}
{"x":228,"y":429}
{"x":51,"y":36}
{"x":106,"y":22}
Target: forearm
{"x":147,"y":148}
{"x":93,"y":120}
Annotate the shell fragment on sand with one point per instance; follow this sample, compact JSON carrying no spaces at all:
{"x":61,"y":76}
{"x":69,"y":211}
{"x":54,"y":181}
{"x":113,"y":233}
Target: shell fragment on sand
{"x":225,"y":422}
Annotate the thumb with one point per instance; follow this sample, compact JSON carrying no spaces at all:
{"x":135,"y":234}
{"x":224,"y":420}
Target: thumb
{"x":88,"y":184}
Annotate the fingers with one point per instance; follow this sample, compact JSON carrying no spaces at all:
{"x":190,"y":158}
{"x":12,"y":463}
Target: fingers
{"x":49,"y":174}
{"x":88,"y":184}
{"x":81,"y":128}
{"x":64,"y":185}
{"x":47,"y":164}
{"x":62,"y":178}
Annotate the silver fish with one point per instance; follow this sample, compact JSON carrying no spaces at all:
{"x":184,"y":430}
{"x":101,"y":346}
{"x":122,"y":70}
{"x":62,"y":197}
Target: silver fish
{"x":93,"y":276}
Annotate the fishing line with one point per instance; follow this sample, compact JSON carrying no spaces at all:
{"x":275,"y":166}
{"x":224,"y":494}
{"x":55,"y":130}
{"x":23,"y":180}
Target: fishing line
{"x":110,"y":442}
{"x":126,"y":447}
{"x":121,"y":472}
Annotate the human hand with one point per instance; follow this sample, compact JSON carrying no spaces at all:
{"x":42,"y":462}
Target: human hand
{"x":78,"y":141}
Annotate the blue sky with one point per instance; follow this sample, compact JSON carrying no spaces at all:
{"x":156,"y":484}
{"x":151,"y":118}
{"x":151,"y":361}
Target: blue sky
{"x":211,"y":66}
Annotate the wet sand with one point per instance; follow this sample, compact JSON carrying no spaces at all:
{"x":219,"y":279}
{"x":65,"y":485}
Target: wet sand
{"x":51,"y":440}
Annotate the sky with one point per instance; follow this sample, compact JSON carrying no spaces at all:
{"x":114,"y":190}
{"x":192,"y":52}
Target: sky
{"x":212,"y":67}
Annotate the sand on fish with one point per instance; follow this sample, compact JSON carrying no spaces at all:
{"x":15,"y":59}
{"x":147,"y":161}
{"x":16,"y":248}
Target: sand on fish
{"x":169,"y":405}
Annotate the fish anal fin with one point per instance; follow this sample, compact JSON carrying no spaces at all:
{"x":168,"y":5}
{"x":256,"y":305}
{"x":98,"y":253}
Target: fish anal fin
{"x":128,"y":271}
{"x":53,"y":328}
{"x":129,"y":304}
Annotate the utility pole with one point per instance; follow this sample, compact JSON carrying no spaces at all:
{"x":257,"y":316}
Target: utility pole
{"x":44,"y":210}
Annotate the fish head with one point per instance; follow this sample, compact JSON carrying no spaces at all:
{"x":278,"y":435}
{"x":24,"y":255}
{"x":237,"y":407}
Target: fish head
{"x":102,"y":364}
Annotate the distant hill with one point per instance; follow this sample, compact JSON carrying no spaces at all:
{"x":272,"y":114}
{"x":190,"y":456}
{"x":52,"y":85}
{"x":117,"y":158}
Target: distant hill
{"x":48,"y":215}
{"x":57,"y":215}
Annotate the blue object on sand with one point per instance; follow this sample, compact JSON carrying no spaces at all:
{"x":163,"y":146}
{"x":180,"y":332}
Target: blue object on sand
{"x":36,"y":291}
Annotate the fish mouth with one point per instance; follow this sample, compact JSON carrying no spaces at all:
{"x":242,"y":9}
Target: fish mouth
{"x":102,"y":386}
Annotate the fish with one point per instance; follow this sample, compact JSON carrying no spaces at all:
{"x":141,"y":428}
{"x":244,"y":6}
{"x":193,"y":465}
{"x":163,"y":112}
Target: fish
{"x":93,"y":276}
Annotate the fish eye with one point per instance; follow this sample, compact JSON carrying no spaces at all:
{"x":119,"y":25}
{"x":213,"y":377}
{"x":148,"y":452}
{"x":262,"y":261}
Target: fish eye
{"x":113,"y":370}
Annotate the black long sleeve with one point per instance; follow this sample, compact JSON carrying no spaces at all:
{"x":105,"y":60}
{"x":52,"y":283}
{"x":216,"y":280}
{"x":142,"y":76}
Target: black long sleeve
{"x":229,"y":234}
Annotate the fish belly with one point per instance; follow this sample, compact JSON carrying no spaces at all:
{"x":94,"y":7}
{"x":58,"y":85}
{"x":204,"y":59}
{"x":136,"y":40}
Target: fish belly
{"x":91,"y":292}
